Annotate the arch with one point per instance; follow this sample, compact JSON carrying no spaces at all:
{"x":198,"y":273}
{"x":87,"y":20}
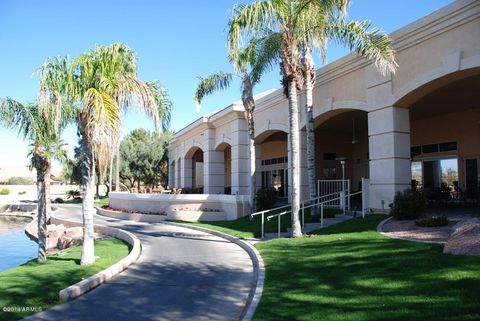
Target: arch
{"x":321,"y":119}
{"x":191,"y":151}
{"x":221,"y":146}
{"x":429,"y":82}
{"x":270,"y":128}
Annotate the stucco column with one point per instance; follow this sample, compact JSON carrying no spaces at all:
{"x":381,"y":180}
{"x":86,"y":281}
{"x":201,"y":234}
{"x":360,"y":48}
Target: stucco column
{"x":304,"y":192}
{"x":240,"y":158}
{"x":186,"y":173}
{"x":214,"y":167}
{"x":178,"y":174}
{"x":171,"y":174}
{"x":389,"y":146}
{"x":258,"y":162}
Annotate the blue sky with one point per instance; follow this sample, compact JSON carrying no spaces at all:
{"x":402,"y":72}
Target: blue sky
{"x":175,"y":42}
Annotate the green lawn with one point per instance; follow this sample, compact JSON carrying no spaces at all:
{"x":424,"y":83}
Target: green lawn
{"x":351,"y":272}
{"x":104,"y":200}
{"x":37,"y":285}
{"x":246,"y":228}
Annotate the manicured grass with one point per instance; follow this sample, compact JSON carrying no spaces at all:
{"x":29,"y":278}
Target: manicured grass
{"x":37,"y":285}
{"x":104,"y":200}
{"x":246,"y":228}
{"x":350,"y":272}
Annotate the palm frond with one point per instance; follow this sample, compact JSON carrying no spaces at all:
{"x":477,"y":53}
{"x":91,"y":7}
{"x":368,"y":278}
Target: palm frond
{"x":163,"y":102}
{"x":246,"y":20}
{"x":210,"y":84}
{"x":372,"y":44}
{"x":266,"y":55}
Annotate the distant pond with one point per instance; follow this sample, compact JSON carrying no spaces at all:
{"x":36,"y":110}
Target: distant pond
{"x":15,"y":246}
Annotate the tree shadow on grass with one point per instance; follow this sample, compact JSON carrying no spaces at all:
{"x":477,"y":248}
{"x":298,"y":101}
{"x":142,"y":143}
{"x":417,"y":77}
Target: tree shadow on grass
{"x":362,"y":275}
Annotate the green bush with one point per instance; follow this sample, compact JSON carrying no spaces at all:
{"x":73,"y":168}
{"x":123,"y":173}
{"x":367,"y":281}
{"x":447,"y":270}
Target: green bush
{"x":4,"y":191}
{"x":265,"y":198}
{"x":408,"y":205}
{"x":4,"y":208}
{"x":72,"y":194}
{"x":434,"y":221}
{"x":16,"y":180}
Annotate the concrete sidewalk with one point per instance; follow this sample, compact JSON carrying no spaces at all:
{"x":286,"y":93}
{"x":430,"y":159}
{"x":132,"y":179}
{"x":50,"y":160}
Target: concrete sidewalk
{"x":182,"y":274}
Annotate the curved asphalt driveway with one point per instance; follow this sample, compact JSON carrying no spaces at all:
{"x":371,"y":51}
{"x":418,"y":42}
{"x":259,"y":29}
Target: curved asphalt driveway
{"x":182,"y":274}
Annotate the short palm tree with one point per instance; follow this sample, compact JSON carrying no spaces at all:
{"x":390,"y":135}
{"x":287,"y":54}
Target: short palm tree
{"x":249,"y":64}
{"x":98,"y":84}
{"x":46,"y":145}
{"x":299,"y":22}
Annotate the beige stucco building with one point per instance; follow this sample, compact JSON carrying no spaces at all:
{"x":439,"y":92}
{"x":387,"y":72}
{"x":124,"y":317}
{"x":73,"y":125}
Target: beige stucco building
{"x":423,"y":122}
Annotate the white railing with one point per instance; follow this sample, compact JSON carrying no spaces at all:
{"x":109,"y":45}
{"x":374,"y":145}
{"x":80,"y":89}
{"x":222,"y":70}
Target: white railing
{"x":327,"y":189}
{"x":262,"y":213}
{"x":340,"y":198}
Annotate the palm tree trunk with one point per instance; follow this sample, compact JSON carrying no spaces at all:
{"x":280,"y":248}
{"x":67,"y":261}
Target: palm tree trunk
{"x":294,"y":160}
{"x":253,"y":170}
{"x":42,"y":167}
{"x":309,"y":77}
{"x":249,"y":106}
{"x":88,"y":184}
{"x":117,"y":172}
{"x":110,"y":178}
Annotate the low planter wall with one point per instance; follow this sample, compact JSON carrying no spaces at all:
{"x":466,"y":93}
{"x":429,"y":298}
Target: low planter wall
{"x":188,"y":216}
{"x":185,"y":207}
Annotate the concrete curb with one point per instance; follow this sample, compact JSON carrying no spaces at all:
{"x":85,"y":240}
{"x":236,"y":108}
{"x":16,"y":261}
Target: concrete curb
{"x":93,"y":281}
{"x":380,"y":230}
{"x":258,"y":268}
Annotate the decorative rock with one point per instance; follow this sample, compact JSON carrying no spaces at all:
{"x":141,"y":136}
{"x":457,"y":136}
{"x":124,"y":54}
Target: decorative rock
{"x":74,"y":232}
{"x":465,"y":240}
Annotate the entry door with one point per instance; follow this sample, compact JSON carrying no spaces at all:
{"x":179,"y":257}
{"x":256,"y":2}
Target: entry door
{"x":471,"y":178}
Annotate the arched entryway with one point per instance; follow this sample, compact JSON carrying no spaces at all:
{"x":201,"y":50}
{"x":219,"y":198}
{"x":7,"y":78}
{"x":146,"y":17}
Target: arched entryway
{"x":445,"y":135}
{"x":272,"y":161}
{"x":193,"y":170}
{"x":341,"y":146}
{"x":226,"y":163}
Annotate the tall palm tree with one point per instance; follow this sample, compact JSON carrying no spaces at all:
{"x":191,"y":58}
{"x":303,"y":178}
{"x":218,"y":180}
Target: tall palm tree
{"x":46,"y":145}
{"x":249,"y":65}
{"x":97,"y":84}
{"x":371,"y":44}
{"x":164,"y":106}
{"x":294,"y":21}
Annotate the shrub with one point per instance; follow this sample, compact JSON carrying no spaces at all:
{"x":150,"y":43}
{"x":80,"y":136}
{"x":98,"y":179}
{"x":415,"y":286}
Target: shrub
{"x":434,"y":221}
{"x":58,"y":200}
{"x":20,"y":181}
{"x":4,"y":191}
{"x":4,"y":208}
{"x":72,"y":193}
{"x":265,"y":198}
{"x":22,"y":193}
{"x":408,"y":205}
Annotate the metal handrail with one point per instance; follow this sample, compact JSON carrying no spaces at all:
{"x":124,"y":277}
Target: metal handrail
{"x":302,"y":208}
{"x":263,"y":216}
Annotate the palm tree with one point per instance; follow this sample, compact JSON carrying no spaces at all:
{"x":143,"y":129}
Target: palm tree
{"x":373,"y":45}
{"x":294,"y":21}
{"x":98,"y":84}
{"x":249,"y":64}
{"x":46,"y":146}
{"x":164,"y":106}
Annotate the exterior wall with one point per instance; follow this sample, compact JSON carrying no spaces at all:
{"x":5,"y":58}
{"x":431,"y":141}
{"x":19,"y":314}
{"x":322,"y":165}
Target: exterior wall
{"x":461,"y":127}
{"x":431,"y":52}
